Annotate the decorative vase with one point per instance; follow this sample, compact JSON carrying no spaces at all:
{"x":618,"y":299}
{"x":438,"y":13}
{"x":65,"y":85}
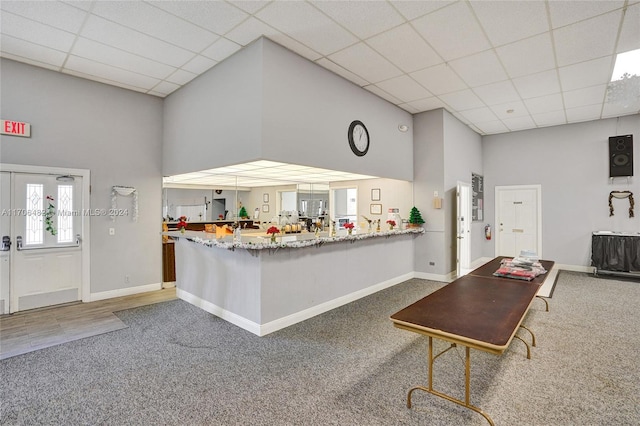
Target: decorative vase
{"x":349,"y":231}
{"x":273,"y":238}
{"x":390,"y":227}
{"x":182,"y":230}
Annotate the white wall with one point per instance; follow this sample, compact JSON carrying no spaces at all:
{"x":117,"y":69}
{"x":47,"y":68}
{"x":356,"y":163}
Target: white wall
{"x":570,"y":162}
{"x":113,"y":132}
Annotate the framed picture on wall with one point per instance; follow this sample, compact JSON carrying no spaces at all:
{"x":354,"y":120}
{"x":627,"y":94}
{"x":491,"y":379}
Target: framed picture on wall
{"x":265,"y":198}
{"x":375,"y":209}
{"x":265,"y":208}
{"x":375,"y":194}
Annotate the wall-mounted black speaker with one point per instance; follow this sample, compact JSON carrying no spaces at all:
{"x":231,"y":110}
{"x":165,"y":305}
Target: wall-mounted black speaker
{"x":621,"y":156}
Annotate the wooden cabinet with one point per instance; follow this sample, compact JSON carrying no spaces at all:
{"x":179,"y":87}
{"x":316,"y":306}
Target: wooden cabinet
{"x":168,"y":262}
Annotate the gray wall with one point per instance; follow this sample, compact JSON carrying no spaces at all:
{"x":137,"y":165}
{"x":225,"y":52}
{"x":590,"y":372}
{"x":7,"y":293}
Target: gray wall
{"x":570,"y":162}
{"x":113,"y":132}
{"x":266,"y":102}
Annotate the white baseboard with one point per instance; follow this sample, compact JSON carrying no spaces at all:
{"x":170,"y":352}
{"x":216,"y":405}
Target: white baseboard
{"x":280,"y":323}
{"x":124,"y":292}
{"x":432,"y":277}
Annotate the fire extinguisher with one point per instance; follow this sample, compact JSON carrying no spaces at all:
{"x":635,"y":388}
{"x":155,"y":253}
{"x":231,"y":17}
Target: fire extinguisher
{"x":487,"y":232}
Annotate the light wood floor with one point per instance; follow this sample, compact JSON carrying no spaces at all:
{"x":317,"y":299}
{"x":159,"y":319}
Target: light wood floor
{"x":35,"y":329}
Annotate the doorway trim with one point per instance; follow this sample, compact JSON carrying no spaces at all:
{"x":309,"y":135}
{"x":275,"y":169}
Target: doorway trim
{"x":538,"y":189}
{"x":85,"y":287}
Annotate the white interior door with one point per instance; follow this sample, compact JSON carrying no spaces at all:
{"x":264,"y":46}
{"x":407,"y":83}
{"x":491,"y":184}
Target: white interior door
{"x":46,"y":263}
{"x":463,"y":228}
{"x":5,"y":236}
{"x":518,"y":220}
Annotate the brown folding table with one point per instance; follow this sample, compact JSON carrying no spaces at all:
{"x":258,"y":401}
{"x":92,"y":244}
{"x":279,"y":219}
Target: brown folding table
{"x":476,"y":311}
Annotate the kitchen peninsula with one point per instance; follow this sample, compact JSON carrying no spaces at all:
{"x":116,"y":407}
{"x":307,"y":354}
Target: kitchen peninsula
{"x":263,"y":287}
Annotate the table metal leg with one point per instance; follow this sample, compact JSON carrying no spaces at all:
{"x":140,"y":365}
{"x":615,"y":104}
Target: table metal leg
{"x":533,"y":336}
{"x":545,"y":302}
{"x":467,"y":379}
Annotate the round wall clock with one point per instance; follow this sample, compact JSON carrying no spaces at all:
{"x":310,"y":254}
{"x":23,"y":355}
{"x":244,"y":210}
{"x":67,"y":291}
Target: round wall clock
{"x":358,"y":136}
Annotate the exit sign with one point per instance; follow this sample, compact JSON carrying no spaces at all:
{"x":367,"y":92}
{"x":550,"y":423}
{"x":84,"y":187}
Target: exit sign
{"x":15,"y":128}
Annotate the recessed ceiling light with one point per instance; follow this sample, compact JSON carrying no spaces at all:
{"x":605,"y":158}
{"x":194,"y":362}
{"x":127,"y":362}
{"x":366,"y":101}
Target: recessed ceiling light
{"x":626,"y":63}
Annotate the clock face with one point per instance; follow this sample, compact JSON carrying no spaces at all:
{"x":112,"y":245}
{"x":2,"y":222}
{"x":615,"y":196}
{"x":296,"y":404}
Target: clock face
{"x":358,"y":138}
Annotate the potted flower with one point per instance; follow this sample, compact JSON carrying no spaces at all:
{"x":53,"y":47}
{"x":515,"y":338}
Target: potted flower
{"x":415,"y":218}
{"x":391,"y":224}
{"x":220,"y":217}
{"x":182,"y":223}
{"x":243,"y":213}
{"x":273,"y":231}
{"x":349,"y":227}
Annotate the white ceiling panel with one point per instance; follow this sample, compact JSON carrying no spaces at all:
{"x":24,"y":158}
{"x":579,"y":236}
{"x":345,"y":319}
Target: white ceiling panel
{"x":404,"y":88}
{"x":440,"y":79}
{"x":215,"y":16}
{"x":467,"y":56}
{"x":123,"y":38}
{"x":452,"y":31}
{"x":479,"y":69}
{"x":307,"y":24}
{"x":587,"y":40}
{"x":155,"y":22}
{"x":362,"y":18}
{"x":97,"y":52}
{"x":366,"y":62}
{"x":406,"y":48}
{"x":539,"y":56}
{"x":506,"y":21}
{"x":35,"y":32}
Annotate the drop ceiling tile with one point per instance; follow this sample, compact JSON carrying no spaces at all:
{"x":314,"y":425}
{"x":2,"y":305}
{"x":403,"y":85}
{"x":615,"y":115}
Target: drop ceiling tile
{"x":381,"y":93}
{"x":199,"y":64}
{"x":250,"y":6}
{"x":365,"y":62}
{"x":587,"y":39}
{"x":452,"y":31}
{"x":80,"y":4}
{"x":584,"y":113}
{"x":337,"y":69}
{"x":553,"y":118}
{"x":439,"y":79}
{"x":35,"y":32}
{"x":181,"y":77}
{"x":505,"y":22}
{"x":535,"y":85}
{"x":497,"y":93}
{"x":517,"y":108}
{"x":586,"y":74}
{"x":123,"y":38}
{"x":630,"y":34}
{"x":405,"y":48}
{"x":619,"y":109}
{"x":519,"y":123}
{"x":94,"y":77}
{"x":529,"y":56}
{"x":155,"y":22}
{"x":215,"y":16}
{"x":543,"y":104}
{"x":308,"y":25}
{"x":55,"y":14}
{"x":35,"y":52}
{"x":409,"y":108}
{"x":362,"y":18}
{"x":479,"y":69}
{"x":109,"y":72}
{"x":427,"y":104}
{"x":221,"y":49}
{"x":36,"y":63}
{"x":492,"y":127}
{"x":479,"y":115}
{"x":594,"y":95}
{"x":462,"y":100}
{"x":404,"y":88}
{"x":97,"y":52}
{"x":569,"y":12}
{"x":415,"y":9}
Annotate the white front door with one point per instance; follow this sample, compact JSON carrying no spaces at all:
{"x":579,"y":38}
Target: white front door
{"x":46,"y":266}
{"x":463,"y":228}
{"x":518,"y":220}
{"x":5,"y":240}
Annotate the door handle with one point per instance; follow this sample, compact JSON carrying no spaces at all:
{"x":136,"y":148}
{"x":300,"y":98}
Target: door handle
{"x":78,"y":239}
{"x":19,"y":242}
{"x":6,"y":243}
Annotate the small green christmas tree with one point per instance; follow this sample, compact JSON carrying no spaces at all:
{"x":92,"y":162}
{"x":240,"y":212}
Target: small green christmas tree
{"x":415,"y":217}
{"x":243,"y":212}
